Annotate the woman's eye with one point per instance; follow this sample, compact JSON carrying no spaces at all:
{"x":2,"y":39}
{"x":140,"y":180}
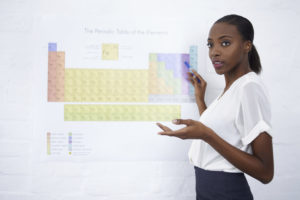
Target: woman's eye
{"x":209,"y":45}
{"x":225,"y":43}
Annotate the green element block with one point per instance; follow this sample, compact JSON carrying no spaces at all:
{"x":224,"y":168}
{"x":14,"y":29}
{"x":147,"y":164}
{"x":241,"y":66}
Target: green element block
{"x":161,"y":69}
{"x":152,"y":57}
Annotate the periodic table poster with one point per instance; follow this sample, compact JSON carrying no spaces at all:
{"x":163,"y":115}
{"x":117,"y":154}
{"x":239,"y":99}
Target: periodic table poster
{"x":106,"y":83}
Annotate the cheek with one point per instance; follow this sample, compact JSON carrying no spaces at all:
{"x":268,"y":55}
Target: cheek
{"x":210,"y":53}
{"x":235,"y":55}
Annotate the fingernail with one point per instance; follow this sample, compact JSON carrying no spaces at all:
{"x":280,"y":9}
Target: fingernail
{"x":174,"y":121}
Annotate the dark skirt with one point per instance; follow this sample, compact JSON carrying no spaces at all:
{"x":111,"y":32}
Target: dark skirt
{"x":217,"y":185}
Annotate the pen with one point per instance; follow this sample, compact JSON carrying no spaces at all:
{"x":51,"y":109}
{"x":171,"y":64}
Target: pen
{"x":189,"y":67}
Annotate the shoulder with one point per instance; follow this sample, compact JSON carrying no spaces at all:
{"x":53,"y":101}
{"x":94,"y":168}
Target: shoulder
{"x":252,"y":84}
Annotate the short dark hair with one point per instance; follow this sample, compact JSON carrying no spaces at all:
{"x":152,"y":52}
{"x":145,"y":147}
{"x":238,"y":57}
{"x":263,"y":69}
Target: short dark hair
{"x":246,"y":30}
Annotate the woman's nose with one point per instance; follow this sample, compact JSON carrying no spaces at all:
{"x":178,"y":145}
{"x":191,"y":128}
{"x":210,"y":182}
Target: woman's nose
{"x":215,"y":51}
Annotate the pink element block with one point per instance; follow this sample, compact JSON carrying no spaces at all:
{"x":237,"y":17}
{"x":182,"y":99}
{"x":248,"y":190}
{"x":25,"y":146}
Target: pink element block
{"x":56,"y":76}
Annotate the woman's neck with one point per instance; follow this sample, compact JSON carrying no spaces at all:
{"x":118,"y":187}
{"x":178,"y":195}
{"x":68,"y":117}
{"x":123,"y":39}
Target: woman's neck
{"x":236,"y":73}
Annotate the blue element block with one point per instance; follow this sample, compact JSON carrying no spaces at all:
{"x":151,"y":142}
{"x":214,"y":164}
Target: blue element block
{"x":52,"y":47}
{"x":193,"y":64}
{"x":189,"y":67}
{"x":193,"y":57}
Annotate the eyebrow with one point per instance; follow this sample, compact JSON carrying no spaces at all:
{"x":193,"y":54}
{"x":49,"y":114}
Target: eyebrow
{"x":221,"y":37}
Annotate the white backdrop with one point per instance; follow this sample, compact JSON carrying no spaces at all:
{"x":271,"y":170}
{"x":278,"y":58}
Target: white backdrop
{"x":152,"y":167}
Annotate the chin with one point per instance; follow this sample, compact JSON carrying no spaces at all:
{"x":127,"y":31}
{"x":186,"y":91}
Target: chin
{"x":219,"y":72}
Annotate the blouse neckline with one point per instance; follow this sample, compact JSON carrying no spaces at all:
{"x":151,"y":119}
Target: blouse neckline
{"x":221,"y":96}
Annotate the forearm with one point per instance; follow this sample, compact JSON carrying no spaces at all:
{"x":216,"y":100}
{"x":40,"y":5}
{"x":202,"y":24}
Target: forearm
{"x":247,"y":163}
{"x":201,"y":105}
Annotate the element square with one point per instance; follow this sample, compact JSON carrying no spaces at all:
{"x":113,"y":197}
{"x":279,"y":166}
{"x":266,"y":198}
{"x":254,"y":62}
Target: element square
{"x":110,"y":51}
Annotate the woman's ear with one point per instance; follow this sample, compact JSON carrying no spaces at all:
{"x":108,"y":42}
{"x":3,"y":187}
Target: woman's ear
{"x":248,"y":46}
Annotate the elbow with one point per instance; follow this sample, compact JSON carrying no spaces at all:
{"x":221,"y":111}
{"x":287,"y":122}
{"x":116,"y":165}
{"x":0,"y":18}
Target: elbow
{"x":267,"y":178}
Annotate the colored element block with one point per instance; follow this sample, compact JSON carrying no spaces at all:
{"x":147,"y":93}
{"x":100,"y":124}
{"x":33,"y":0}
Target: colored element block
{"x":52,"y":47}
{"x":167,"y":74}
{"x":70,"y":143}
{"x":110,"y":51}
{"x":80,"y":112}
{"x":106,"y":85}
{"x":193,"y":57}
{"x":56,"y":74}
{"x":48,"y":143}
{"x":193,"y":63}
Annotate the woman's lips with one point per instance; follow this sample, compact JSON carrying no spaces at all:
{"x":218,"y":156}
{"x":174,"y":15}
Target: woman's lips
{"x":218,"y":64}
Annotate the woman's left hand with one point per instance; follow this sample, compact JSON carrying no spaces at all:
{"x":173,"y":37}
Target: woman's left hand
{"x":193,"y":130}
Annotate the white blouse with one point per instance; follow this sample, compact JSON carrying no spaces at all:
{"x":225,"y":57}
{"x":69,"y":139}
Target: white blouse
{"x":238,"y":116}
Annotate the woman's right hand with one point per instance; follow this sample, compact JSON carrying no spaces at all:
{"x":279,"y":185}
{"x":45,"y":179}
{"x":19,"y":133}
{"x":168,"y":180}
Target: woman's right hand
{"x":200,"y":86}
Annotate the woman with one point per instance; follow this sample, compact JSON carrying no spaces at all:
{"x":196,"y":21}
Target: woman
{"x":232,"y":136}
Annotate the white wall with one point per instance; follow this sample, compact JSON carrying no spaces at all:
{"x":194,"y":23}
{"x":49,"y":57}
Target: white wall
{"x":276,"y":38}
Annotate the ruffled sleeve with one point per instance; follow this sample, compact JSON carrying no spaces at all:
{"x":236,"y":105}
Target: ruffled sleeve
{"x":254,"y":113}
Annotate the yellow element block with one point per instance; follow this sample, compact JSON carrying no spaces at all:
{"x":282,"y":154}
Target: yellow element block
{"x":110,"y":52}
{"x":106,"y":85}
{"x":48,"y":143}
{"x":80,"y":112}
